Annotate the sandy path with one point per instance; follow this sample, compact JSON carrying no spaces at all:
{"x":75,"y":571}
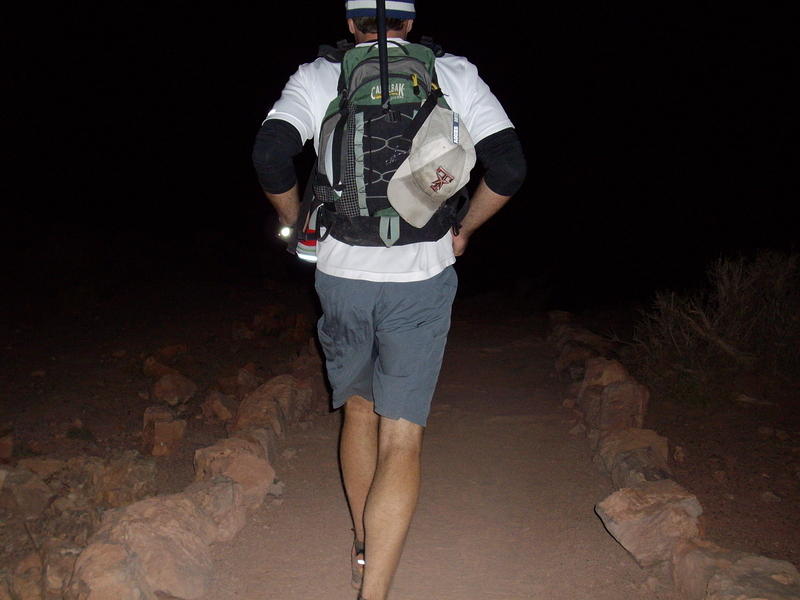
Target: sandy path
{"x":506,"y":510}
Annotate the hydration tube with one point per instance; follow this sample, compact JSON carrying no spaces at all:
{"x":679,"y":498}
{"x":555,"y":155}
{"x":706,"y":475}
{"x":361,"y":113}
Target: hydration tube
{"x":383,"y":59}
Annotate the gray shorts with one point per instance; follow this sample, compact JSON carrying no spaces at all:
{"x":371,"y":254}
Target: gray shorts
{"x":385,"y":341}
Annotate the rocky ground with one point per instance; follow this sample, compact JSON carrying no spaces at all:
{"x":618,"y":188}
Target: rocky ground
{"x":737,"y":448}
{"x":77,"y":378}
{"x":78,"y":373}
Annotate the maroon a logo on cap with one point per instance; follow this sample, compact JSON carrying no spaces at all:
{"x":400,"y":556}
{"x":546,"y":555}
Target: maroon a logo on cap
{"x":442,"y":178}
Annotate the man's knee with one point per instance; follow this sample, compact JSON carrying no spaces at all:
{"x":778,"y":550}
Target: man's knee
{"x":398,"y":436}
{"x":358,"y":407}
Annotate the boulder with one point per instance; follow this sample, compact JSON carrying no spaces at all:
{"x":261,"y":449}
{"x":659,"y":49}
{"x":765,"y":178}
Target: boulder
{"x":171,"y":352}
{"x":118,"y":480}
{"x":157,"y":546}
{"x":59,"y":563}
{"x":695,"y":563}
{"x":24,"y":493}
{"x":651,"y":519}
{"x":633,"y":456}
{"x":166,"y":437}
{"x":221,"y":501}
{"x":239,"y":460}
{"x":247,"y":380}
{"x":601,"y":372}
{"x":162,"y":433}
{"x":218,"y":406}
{"x":572,"y":360}
{"x":106,"y":570}
{"x":155,"y":369}
{"x":755,"y":578}
{"x":42,"y":466}
{"x":174,"y":389}
{"x":270,"y":404}
{"x":26,"y":581}
{"x":621,"y":405}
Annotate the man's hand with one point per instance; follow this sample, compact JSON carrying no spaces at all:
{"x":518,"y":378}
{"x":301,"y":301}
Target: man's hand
{"x":483,"y":205}
{"x":460,"y":242}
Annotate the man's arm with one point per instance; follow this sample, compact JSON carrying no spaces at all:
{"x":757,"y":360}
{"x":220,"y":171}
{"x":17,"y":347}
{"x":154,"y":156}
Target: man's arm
{"x":287,"y":205}
{"x":483,"y":204}
{"x":501,"y":155}
{"x":277,"y":143}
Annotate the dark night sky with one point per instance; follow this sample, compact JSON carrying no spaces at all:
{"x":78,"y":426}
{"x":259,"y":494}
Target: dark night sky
{"x":657,"y":138}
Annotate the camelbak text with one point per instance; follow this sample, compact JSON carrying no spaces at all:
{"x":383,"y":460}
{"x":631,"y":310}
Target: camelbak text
{"x":396,"y":90}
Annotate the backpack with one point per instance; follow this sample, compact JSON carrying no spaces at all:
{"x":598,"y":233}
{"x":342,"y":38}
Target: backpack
{"x":361,"y":146}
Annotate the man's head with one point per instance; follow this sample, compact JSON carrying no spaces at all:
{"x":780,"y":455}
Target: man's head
{"x":363,"y":23}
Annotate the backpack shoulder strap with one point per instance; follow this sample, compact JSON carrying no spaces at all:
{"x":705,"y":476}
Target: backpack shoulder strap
{"x":437,"y":50}
{"x":334,"y":54}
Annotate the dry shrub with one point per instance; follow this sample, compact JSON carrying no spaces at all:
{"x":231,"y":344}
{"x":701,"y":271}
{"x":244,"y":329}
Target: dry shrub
{"x":746,"y":318}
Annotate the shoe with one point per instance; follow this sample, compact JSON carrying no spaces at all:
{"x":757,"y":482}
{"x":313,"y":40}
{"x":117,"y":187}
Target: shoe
{"x":357,"y":564}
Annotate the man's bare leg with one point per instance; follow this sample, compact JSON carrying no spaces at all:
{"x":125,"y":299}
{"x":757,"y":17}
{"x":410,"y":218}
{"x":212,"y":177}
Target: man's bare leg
{"x":390,"y":503}
{"x":358,"y":453}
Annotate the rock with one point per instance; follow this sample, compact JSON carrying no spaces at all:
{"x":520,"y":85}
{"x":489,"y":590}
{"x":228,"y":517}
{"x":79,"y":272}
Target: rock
{"x":174,"y":389}
{"x":619,"y":442}
{"x":650,"y":519}
{"x":25,"y":493}
{"x":572,"y":359}
{"x":569,"y":403}
{"x":162,"y":433}
{"x":153,"y":368}
{"x":755,"y":578}
{"x":770,"y":498}
{"x":26,"y":581}
{"x":679,"y":454}
{"x":276,"y":488}
{"x":633,"y":456}
{"x":153,"y":414}
{"x":165,"y":546}
{"x":239,"y":460}
{"x":271,"y":404}
{"x":766,"y":432}
{"x":719,"y":476}
{"x":43,"y":467}
{"x":781,"y":435}
{"x":7,"y":445}
{"x":59,"y":563}
{"x":247,"y":380}
{"x":171,"y":352}
{"x":116,"y":481}
{"x":106,"y":570}
{"x":218,"y":406}
{"x":221,"y":501}
{"x":622,"y":405}
{"x":695,"y":563}
{"x":167,"y":436}
{"x":265,"y":438}
{"x":602,"y":372}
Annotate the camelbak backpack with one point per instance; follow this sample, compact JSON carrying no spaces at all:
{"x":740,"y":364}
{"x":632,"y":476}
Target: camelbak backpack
{"x":361,"y":146}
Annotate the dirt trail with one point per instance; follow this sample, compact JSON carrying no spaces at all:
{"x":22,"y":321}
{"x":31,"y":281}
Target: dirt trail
{"x":506,"y":510}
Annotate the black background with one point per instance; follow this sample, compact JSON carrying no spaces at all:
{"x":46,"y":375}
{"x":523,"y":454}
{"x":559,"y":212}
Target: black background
{"x":658,"y":137}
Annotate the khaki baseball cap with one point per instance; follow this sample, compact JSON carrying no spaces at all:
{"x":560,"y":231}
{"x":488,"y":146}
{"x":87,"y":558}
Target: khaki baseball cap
{"x":438,"y":165}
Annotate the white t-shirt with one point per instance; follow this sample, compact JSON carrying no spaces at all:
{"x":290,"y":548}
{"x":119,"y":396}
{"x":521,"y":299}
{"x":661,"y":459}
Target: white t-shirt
{"x":303,"y":103}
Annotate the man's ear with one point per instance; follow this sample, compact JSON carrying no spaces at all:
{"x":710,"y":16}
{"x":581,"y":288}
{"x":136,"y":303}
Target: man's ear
{"x":351,"y":26}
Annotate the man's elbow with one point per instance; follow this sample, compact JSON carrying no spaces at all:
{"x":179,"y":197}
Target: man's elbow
{"x":502,"y":156}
